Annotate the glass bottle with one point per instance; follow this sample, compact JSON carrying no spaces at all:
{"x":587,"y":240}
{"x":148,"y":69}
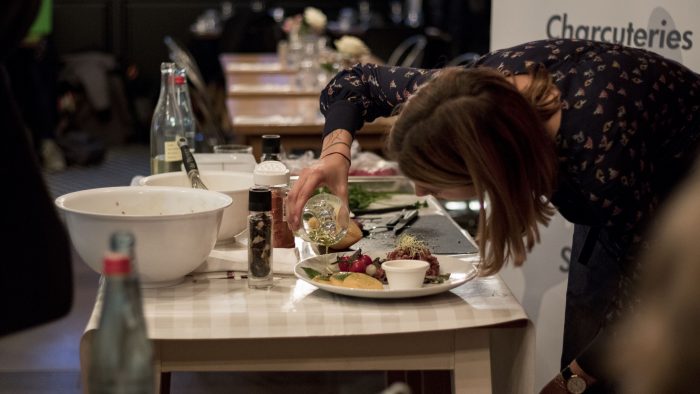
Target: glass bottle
{"x":121,"y":353}
{"x":271,"y":148}
{"x":275,"y":175}
{"x":124,"y":242}
{"x":260,"y":238}
{"x":166,"y":126}
{"x":307,"y":77}
{"x":189,"y":123}
{"x":325,"y":220}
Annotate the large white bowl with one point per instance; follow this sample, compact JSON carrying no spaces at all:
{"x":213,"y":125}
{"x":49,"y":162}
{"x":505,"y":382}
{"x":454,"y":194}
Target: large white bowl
{"x":233,"y":184}
{"x":175,"y":228}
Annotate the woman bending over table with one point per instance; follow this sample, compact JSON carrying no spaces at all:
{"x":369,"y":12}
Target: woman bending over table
{"x":601,"y":131}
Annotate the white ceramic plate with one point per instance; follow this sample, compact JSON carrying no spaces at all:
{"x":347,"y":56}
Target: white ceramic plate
{"x":460,"y":273}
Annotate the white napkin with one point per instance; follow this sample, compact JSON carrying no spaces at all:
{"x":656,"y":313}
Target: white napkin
{"x":234,"y":257}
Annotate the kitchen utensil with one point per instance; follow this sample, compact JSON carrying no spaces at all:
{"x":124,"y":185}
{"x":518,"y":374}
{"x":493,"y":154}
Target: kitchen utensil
{"x":190,"y":165}
{"x":407,"y":220}
{"x":359,"y":212}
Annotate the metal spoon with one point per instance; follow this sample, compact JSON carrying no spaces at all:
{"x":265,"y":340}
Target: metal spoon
{"x":190,"y":165}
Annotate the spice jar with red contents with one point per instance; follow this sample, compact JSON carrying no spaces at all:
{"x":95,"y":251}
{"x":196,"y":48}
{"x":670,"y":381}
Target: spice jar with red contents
{"x":275,"y":175}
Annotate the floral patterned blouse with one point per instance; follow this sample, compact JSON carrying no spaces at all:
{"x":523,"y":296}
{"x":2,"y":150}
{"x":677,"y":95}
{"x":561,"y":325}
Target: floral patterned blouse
{"x":629,"y":127}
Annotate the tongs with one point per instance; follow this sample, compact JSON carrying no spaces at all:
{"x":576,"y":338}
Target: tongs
{"x":407,"y":220}
{"x":398,"y":223}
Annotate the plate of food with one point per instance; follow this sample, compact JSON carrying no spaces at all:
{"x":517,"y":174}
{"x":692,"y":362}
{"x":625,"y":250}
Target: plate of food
{"x":359,"y":274}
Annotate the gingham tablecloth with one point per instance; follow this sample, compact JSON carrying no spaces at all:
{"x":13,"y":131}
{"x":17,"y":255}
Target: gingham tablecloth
{"x":210,"y":306}
{"x":226,"y":308}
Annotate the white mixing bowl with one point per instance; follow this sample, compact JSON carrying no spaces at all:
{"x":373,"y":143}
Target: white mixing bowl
{"x":233,"y":184}
{"x":175,"y":228}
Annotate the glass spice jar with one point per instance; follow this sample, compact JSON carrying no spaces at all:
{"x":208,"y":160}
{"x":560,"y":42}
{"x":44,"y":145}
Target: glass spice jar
{"x":260,"y":238}
{"x":275,"y":175}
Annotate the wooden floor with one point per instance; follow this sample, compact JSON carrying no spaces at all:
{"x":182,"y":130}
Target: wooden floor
{"x":45,"y":359}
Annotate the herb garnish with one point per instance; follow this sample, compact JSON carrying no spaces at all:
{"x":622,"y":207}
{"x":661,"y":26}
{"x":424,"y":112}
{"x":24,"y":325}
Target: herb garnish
{"x":342,"y":275}
{"x":436,"y":279}
{"x":359,"y":198}
{"x":310,"y":272}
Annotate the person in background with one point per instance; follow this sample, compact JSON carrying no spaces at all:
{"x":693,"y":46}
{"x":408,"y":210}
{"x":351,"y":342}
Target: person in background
{"x":33,"y":71}
{"x":657,"y":349}
{"x":36,"y":281}
{"x":601,"y":131}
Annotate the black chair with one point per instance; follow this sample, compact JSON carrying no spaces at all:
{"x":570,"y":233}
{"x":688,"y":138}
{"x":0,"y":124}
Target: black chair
{"x":409,"y":53}
{"x":463,"y":59}
{"x":214,"y":131}
{"x":382,"y":41}
{"x":250,"y":31}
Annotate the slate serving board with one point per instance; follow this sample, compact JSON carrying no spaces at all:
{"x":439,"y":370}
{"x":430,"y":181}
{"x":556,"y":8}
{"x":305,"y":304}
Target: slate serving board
{"x":441,"y":234}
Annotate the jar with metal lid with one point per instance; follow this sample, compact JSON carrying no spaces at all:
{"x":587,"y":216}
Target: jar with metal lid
{"x":275,"y":175}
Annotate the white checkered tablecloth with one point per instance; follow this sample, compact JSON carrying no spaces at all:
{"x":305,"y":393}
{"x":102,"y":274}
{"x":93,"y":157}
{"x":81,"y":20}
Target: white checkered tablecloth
{"x":210,"y":306}
{"x":227,"y":308}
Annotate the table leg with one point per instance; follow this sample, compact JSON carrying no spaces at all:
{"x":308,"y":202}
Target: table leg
{"x":513,"y":359}
{"x":472,"y":362}
{"x":164,"y":380}
{"x":85,"y":343}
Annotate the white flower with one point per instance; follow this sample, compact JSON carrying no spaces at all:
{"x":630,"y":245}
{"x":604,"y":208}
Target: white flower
{"x":315,"y":18}
{"x":352,"y":46}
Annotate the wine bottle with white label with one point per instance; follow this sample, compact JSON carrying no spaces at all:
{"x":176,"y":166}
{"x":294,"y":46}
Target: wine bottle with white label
{"x":167,"y":125}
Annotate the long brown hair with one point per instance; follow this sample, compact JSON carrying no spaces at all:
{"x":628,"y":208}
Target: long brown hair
{"x":473,"y":126}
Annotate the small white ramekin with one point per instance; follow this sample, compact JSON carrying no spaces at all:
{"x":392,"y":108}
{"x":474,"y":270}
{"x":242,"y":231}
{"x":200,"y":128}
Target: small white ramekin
{"x":405,"y":274}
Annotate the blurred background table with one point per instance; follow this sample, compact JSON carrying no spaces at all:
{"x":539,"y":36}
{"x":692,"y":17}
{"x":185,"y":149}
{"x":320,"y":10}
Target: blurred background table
{"x":255,"y":68}
{"x":265,"y":97}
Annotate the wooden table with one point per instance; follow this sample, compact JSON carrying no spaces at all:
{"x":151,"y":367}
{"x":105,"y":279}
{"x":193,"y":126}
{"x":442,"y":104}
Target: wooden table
{"x":268,"y":86}
{"x":296,"y":119}
{"x":478,"y":330}
{"x":231,"y":62}
{"x":255,"y":68}
{"x":263,"y":99}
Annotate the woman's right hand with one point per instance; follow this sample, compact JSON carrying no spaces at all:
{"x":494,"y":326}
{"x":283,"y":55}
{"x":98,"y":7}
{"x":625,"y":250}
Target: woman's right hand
{"x":331,"y":170}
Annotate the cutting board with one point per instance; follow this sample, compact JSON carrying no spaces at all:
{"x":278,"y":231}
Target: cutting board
{"x":441,"y":234}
